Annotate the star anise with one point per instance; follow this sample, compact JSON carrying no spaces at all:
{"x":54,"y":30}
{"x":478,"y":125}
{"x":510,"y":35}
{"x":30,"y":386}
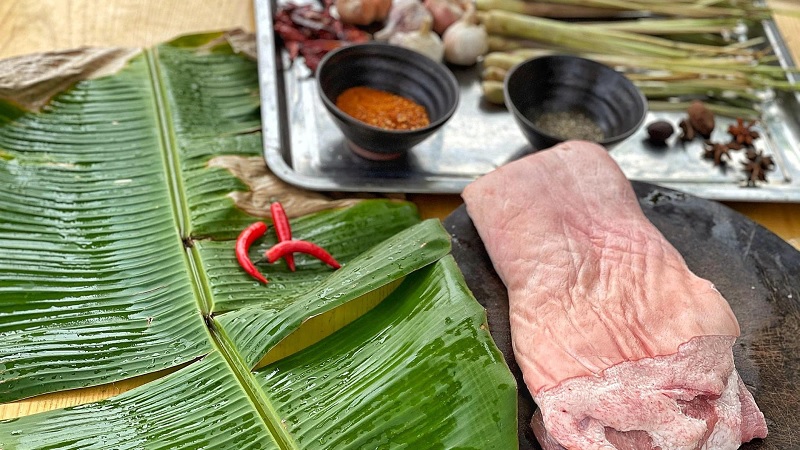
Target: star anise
{"x":716,"y":151}
{"x":742,"y":134}
{"x":733,"y":145}
{"x":757,"y":166}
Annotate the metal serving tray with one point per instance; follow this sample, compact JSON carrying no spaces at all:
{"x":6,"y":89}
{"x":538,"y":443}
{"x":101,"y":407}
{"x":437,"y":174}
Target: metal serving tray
{"x":303,"y":147}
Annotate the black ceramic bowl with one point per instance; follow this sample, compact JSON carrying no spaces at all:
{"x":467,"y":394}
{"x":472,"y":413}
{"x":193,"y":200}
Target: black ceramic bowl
{"x":570,"y":84}
{"x":389,"y":68}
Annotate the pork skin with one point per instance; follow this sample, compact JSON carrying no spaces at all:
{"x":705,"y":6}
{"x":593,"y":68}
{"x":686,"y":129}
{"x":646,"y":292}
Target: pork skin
{"x":619,"y":343}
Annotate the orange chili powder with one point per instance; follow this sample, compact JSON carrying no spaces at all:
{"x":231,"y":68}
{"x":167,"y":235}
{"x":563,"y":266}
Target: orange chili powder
{"x":382,"y":109}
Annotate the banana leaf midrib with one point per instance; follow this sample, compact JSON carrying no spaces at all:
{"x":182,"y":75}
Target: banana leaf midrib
{"x":198,"y":277}
{"x":260,"y":403}
{"x":202,"y":288}
{"x":168,"y":145}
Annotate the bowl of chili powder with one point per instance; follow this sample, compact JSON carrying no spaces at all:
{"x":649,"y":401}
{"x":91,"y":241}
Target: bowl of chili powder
{"x":385,"y":99}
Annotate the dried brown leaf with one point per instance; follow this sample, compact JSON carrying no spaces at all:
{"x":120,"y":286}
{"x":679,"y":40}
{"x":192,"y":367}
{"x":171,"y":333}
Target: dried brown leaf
{"x":30,"y":81}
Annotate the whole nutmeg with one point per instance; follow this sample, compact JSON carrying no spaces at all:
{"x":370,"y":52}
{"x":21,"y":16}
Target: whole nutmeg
{"x":701,"y":118}
{"x":659,"y":131}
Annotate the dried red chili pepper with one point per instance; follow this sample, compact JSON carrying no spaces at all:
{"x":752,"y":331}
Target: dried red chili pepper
{"x":282,"y":229}
{"x":243,"y":243}
{"x":311,"y":32}
{"x":281,"y":249}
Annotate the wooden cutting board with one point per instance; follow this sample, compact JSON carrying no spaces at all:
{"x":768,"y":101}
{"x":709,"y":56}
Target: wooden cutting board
{"x":755,"y":270}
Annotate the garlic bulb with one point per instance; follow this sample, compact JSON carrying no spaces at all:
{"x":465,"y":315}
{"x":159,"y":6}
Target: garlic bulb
{"x":445,"y":13}
{"x":423,"y":40}
{"x":465,"y":41}
{"x":405,"y":15}
{"x":362,"y":12}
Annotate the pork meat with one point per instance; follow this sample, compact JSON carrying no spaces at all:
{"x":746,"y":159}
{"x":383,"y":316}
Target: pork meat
{"x":619,"y":343}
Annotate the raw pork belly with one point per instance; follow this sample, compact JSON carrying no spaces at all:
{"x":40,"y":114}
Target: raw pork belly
{"x":619,"y":343}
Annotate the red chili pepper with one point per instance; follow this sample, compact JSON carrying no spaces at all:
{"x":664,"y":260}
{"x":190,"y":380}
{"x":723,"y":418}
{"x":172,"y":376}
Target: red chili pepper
{"x":282,"y":229}
{"x":286,"y":247}
{"x":243,"y":243}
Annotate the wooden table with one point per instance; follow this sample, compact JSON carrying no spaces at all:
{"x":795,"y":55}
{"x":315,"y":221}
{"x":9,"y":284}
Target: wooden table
{"x":29,"y":26}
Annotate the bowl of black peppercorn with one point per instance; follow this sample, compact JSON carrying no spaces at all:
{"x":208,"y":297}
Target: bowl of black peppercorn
{"x":561,"y":97}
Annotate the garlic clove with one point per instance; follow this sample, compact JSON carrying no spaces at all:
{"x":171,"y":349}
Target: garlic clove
{"x":424,"y":41}
{"x":404,"y":16}
{"x":445,"y":13}
{"x":465,"y":41}
{"x":362,"y":12}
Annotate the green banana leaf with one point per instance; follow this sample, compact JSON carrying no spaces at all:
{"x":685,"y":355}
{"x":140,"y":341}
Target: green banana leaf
{"x":116,"y":260}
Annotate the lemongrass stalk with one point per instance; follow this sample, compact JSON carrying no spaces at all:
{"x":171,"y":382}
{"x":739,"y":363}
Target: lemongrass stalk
{"x":708,"y":67}
{"x":493,"y":92}
{"x":749,"y":43}
{"x":661,"y":90}
{"x":544,"y":9}
{"x":560,"y":34}
{"x":659,"y":7}
{"x":694,"y":3}
{"x":720,"y":67}
{"x":568,"y":36}
{"x":503,"y":60}
{"x":712,"y":67}
{"x":666,"y":78}
{"x":502,"y":44}
{"x":718,"y":109}
{"x":742,"y":9}
{"x":773,"y":59}
{"x":696,"y":81}
{"x":649,"y":62}
{"x":773,"y":71}
{"x":507,"y":60}
{"x":783,"y":85}
{"x":693,"y":79}
{"x":499,"y":43}
{"x":493,"y":73}
{"x":529,"y":8}
{"x":668,"y":26}
{"x":578,"y":37}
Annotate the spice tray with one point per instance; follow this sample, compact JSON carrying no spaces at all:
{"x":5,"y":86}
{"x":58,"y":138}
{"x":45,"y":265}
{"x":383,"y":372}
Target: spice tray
{"x":303,"y":147}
